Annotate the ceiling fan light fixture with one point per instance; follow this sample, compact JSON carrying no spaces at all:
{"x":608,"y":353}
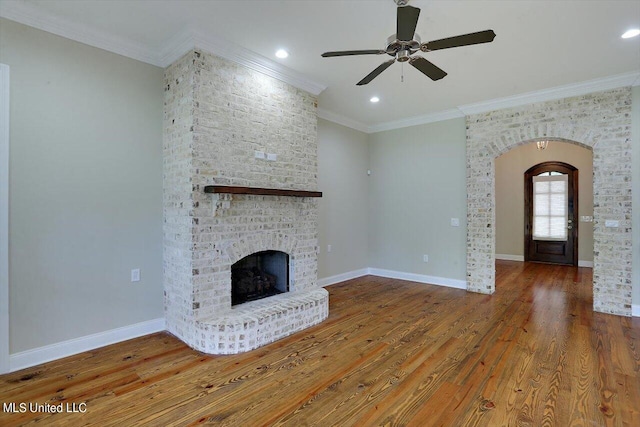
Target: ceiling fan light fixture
{"x":631,"y":33}
{"x":374,"y":99}
{"x":403,"y":56}
{"x":282,"y":54}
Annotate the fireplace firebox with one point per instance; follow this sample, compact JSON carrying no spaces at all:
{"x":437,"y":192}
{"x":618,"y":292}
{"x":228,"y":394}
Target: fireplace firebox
{"x":259,"y":275}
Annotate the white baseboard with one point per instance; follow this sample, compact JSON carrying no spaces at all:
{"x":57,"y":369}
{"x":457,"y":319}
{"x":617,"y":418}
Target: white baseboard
{"x":36,"y":356}
{"x":507,"y":257}
{"x":332,"y":280}
{"x":635,"y":310}
{"x":432,"y":280}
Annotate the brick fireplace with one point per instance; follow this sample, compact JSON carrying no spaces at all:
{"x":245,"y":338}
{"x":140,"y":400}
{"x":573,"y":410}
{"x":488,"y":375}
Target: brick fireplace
{"x":218,"y":114}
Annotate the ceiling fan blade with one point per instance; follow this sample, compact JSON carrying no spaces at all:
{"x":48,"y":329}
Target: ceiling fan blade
{"x":406,"y":22}
{"x":372,"y":75}
{"x":353,"y":52}
{"x":457,"y":41}
{"x":427,"y":68}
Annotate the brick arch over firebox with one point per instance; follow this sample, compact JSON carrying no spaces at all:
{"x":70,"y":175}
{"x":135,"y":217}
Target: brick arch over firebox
{"x":600,"y":121}
{"x":251,"y":244}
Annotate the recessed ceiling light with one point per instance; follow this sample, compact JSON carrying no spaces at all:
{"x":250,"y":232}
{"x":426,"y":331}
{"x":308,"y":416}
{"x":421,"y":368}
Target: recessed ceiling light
{"x":281,"y":53}
{"x":374,"y":99}
{"x":631,"y":33}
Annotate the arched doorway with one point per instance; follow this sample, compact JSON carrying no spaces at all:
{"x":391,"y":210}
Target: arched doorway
{"x":509,"y":191}
{"x":600,"y":121}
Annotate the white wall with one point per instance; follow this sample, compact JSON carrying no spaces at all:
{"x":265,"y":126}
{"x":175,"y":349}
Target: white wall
{"x":85,"y":201}
{"x":510,"y":169}
{"x":343,"y":160}
{"x":417,"y":185}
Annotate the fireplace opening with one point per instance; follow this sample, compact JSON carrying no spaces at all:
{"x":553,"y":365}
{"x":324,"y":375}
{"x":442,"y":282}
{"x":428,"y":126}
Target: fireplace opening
{"x":259,"y":275}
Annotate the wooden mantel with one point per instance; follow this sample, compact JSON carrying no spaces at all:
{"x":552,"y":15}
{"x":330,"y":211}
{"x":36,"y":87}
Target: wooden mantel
{"x":228,"y":189}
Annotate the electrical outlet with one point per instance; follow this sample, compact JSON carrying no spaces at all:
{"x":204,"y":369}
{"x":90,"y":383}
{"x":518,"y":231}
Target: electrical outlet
{"x":611,"y":223}
{"x":259,"y":155}
{"x":328,"y":248}
{"x":455,"y":222}
{"x":272,"y":157}
{"x":135,"y":275}
{"x":425,"y":258}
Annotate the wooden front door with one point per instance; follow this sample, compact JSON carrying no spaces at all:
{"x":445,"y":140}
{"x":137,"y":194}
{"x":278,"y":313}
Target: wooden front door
{"x":551,"y":206}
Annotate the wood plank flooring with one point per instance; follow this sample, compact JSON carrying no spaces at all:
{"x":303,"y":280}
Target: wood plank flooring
{"x":390,"y":353}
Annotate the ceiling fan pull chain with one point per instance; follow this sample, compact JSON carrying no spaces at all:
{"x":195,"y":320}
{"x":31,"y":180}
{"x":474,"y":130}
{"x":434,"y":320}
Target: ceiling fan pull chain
{"x":402,"y":73}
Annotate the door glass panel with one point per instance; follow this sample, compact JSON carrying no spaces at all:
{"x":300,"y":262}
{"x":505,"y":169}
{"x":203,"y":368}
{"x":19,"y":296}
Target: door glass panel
{"x":550,"y":206}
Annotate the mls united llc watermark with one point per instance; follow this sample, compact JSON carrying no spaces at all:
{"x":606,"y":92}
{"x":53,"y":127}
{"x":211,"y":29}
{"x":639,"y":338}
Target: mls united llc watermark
{"x":32,"y":407}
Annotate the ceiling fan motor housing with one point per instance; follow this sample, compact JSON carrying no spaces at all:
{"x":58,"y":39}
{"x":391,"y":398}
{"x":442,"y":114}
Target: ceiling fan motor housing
{"x":395,"y":46}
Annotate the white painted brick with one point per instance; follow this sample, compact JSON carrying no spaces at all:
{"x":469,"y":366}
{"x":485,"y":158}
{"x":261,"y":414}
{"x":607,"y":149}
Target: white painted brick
{"x":600,"y":121}
{"x":217,"y":114}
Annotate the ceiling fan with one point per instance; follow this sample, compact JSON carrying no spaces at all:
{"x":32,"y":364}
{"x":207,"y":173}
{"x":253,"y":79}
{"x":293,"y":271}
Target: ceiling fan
{"x":406,"y":42}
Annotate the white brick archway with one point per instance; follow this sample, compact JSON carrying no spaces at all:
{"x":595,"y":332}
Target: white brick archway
{"x":600,"y":121}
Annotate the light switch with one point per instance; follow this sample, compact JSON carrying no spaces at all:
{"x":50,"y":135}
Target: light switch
{"x":455,"y":222}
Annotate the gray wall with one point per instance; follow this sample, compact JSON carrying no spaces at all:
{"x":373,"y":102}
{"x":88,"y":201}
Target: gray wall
{"x":86,"y":192}
{"x":343,"y":160}
{"x":85,"y":188}
{"x":635,"y":153}
{"x":510,"y":169}
{"x":417,"y":185}
{"x":399,"y":236}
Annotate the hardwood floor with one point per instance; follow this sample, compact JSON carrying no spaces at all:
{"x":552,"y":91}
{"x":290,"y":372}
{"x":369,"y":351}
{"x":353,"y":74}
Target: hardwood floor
{"x":391,"y":353}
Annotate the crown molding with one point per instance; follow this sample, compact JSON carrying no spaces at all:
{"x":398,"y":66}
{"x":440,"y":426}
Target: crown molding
{"x":33,"y":16}
{"x":181,"y":43}
{"x":396,"y":124}
{"x":240,"y":55}
{"x":439,"y":116}
{"x":176,"y":47}
{"x":189,"y":39}
{"x":343,"y":120}
{"x":558,"y":92}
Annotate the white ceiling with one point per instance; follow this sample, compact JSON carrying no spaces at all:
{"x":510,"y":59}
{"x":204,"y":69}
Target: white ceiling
{"x":539,"y":44}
